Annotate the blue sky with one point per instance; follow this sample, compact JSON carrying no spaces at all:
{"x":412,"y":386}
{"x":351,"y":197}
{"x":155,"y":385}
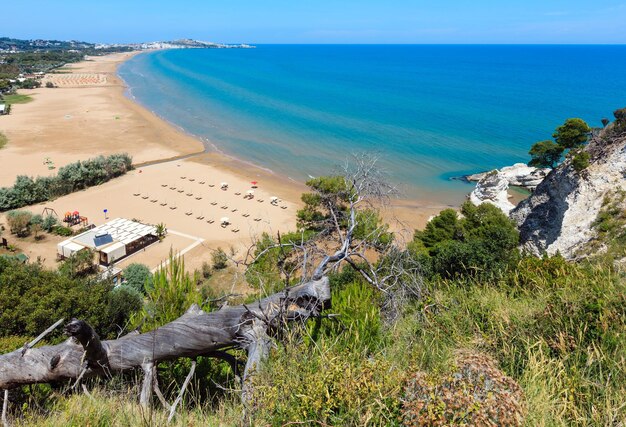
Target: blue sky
{"x":320,"y":21}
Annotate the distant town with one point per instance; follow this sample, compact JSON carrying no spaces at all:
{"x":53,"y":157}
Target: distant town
{"x":9,"y":45}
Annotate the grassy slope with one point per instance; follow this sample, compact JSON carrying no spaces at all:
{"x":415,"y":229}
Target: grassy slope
{"x":556,"y":328}
{"x":3,"y":140}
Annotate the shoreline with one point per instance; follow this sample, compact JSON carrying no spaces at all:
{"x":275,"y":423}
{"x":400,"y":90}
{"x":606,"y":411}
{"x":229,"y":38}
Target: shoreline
{"x":90,"y":114}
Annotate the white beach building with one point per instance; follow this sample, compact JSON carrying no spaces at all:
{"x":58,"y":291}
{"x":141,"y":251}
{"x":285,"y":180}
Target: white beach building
{"x":112,"y":241}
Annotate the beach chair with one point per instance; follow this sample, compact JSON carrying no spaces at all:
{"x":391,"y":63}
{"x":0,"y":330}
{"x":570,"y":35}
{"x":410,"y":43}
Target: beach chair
{"x":198,"y":198}
{"x":283,"y":207}
{"x":163,"y":204}
{"x":192,"y":179}
{"x":189,"y":194}
{"x":172,"y":207}
{"x":163,"y":185}
{"x":188,"y":213}
{"x":211,"y":185}
{"x":181,"y":191}
{"x":172,"y":188}
{"x":237,"y":194}
{"x":183,"y":177}
{"x":144,"y":197}
{"x":200,"y":217}
{"x":213,"y":203}
{"x":201,"y":182}
{"x":234,"y":210}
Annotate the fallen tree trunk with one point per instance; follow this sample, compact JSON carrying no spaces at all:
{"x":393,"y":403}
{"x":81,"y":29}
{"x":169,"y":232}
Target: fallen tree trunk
{"x":196,"y":333}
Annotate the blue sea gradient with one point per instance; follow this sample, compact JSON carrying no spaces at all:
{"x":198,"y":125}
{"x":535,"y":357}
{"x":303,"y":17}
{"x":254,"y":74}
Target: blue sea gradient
{"x":432,"y":112}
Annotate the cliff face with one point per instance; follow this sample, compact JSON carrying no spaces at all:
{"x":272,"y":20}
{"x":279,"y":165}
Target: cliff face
{"x":559,"y":215}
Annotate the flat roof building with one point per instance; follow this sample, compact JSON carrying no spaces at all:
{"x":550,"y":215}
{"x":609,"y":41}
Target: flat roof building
{"x":112,"y":241}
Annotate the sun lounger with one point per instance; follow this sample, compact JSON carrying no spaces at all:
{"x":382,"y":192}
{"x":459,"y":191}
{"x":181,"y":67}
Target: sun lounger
{"x":192,"y":179}
{"x":198,"y":198}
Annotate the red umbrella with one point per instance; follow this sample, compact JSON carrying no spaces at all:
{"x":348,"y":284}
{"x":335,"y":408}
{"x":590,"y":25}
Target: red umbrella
{"x":253,"y":183}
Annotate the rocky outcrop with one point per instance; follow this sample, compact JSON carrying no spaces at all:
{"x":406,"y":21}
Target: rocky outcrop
{"x":519,"y":175}
{"x":493,"y":188}
{"x":559,"y":215}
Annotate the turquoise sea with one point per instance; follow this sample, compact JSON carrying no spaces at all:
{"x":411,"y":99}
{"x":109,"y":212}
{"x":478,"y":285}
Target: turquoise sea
{"x":432,"y":112}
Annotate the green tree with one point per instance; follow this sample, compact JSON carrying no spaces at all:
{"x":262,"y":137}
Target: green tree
{"x":482,"y":241}
{"x":545,"y":154}
{"x":33,"y":297}
{"x":138,"y":277}
{"x":573,"y":133}
{"x":328,"y":192}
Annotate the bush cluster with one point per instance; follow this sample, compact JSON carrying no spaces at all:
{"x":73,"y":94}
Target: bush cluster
{"x":480,"y":241}
{"x":70,"y":178}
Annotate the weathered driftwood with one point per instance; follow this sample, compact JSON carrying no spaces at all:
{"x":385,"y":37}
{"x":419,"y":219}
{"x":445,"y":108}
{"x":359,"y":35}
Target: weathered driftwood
{"x":196,"y":333}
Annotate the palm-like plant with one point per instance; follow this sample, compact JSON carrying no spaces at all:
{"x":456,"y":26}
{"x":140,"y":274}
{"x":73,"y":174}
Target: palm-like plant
{"x":161,"y":231}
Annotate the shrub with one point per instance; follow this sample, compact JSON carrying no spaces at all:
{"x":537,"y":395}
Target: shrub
{"x":220,"y":259}
{"x":62,"y":230}
{"x":49,"y":222}
{"x":580,"y":161}
{"x":484,"y":241}
{"x":206,"y":270}
{"x":123,"y":301}
{"x":475,"y":393}
{"x":19,"y":222}
{"x":138,"y":277}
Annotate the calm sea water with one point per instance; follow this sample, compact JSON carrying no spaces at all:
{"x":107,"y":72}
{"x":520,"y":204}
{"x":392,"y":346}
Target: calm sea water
{"x":431,"y":112}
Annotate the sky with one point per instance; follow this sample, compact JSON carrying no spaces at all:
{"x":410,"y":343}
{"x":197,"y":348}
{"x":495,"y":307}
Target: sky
{"x":319,"y":21}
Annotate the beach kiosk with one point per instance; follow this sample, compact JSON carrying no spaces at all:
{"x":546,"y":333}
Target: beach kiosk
{"x":112,"y":241}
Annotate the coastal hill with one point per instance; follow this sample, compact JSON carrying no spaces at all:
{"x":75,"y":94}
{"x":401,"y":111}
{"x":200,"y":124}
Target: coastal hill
{"x":566,"y":210}
{"x":10,"y":45}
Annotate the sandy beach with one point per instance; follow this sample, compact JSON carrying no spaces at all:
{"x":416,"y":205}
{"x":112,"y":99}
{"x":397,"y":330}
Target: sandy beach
{"x":88,"y":114}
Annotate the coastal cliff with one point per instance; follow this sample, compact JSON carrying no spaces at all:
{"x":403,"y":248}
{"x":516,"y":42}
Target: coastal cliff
{"x":559,"y":216}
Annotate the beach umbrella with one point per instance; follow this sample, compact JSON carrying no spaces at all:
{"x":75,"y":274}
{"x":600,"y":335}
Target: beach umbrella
{"x":225,"y":220}
{"x":254,"y":183}
{"x":250,"y":192}
{"x":224,"y":184}
{"x":273,"y":199}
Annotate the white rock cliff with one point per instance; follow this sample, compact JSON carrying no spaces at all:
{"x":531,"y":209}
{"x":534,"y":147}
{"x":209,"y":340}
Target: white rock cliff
{"x":493,"y":188}
{"x":559,"y":215}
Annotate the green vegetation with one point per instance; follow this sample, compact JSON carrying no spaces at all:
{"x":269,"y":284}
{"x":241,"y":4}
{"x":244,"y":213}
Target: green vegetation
{"x":70,"y":178}
{"x":17,"y":99}
{"x":138,"y":277}
{"x":545,"y":154}
{"x":3,"y":140}
{"x":580,"y":160}
{"x":483,"y":241}
{"x":32,"y":298}
{"x":494,"y":338}
{"x":570,"y":135}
